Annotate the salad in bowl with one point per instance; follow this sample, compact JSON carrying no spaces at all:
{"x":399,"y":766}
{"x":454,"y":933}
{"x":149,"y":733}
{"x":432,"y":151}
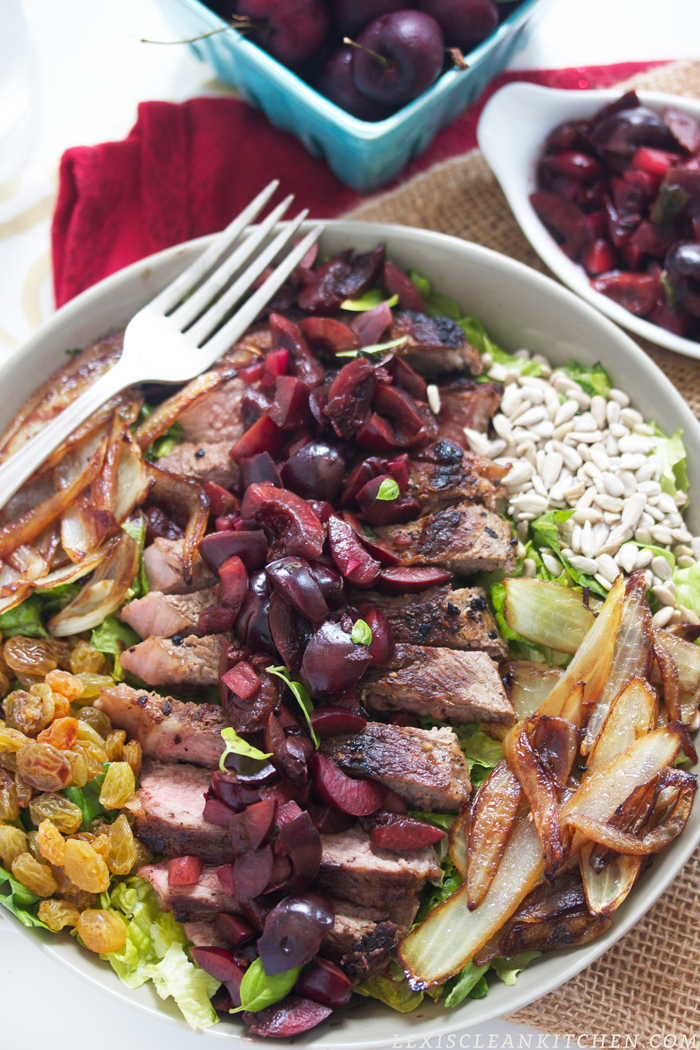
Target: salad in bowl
{"x":362,"y":665}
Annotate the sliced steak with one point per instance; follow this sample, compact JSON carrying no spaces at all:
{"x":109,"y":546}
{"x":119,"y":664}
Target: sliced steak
{"x":361,"y":947}
{"x":465,"y":539}
{"x":440,"y":617}
{"x":215,"y":417}
{"x":197,"y":904}
{"x":435,"y":345}
{"x":168,"y":808}
{"x":445,"y":684}
{"x":469,"y":404}
{"x":163,"y":562}
{"x":203,"y":934}
{"x":159,"y":615}
{"x":194,"y":663}
{"x":167,"y":730}
{"x":444,"y":474}
{"x":425,"y":767}
{"x":203,"y":461}
{"x":354,"y":870}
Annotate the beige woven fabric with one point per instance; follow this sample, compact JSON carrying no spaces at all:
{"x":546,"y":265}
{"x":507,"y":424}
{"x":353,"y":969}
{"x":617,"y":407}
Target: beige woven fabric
{"x":648,"y":984}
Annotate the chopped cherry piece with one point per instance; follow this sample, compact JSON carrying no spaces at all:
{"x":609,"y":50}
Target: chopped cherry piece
{"x":654,"y":162}
{"x":328,"y":335}
{"x":398,"y":283}
{"x":242,"y":679}
{"x":260,"y":469}
{"x":263,"y":436}
{"x":287,"y":515}
{"x":234,"y":929}
{"x":221,"y":501}
{"x":599,"y":257}
{"x":408,"y":580}
{"x":251,"y":828}
{"x":581,"y":167}
{"x":252,"y":373}
{"x":405,"y":833}
{"x":217,"y":812}
{"x":377,"y":434}
{"x":291,"y":1016}
{"x":635,"y":291}
{"x":408,"y":380}
{"x":565,"y":219}
{"x":305,"y":365}
{"x":349,"y":555}
{"x":184,"y":871}
{"x":684,"y":128}
{"x":371,"y":325}
{"x":329,"y":821}
{"x":293,"y":578}
{"x":350,"y":396}
{"x":277,"y":362}
{"x":332,"y":721}
{"x":218,"y":547}
{"x":219,"y":962}
{"x":325,"y":983}
{"x":358,"y":798}
{"x":290,"y":405}
{"x":400,"y":468}
{"x":251,"y":873}
{"x":382,"y":647}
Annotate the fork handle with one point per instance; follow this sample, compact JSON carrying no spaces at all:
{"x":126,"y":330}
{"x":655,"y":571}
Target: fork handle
{"x":15,"y":471}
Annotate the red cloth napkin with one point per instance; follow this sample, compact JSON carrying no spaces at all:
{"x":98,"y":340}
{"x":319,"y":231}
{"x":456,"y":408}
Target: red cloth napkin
{"x":186,"y":170}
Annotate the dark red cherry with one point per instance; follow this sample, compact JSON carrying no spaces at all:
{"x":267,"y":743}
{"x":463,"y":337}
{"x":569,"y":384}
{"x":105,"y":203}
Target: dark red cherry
{"x":464,"y":23}
{"x":292,"y":29}
{"x":352,"y":16}
{"x":336,"y":83}
{"x":408,"y":51}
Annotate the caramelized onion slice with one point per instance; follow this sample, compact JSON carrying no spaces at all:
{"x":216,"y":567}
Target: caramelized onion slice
{"x":633,"y":712}
{"x":606,"y":890}
{"x":451,"y":934}
{"x":457,"y":841}
{"x":669,"y":678}
{"x":653,"y":841}
{"x":188,"y":497}
{"x":104,"y":592}
{"x":631,"y":654}
{"x":167,"y":412}
{"x":528,"y":684}
{"x":540,"y":791}
{"x":70,"y":573}
{"x":493,"y":813}
{"x":686,"y":657}
{"x":593,"y":658}
{"x":547,"y":614}
{"x":133,"y":480}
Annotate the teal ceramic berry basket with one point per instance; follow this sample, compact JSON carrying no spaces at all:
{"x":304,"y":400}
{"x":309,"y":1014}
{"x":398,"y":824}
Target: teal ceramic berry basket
{"x":363,"y":155}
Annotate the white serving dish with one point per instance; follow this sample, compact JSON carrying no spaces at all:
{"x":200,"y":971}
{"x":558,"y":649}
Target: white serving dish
{"x":511,"y":135}
{"x":520,"y":308}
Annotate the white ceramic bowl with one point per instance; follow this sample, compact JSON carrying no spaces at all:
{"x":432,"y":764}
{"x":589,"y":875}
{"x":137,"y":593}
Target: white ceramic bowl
{"x":511,"y":134}
{"x":520,"y":308}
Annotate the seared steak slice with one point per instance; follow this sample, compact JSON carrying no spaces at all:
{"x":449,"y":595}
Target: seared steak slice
{"x":440,"y":617}
{"x":362,"y":948}
{"x":199,"y":903}
{"x":353,"y":869}
{"x":203,"y":461}
{"x":466,"y":538}
{"x":215,"y":417}
{"x":424,"y":766}
{"x":160,"y":661}
{"x":169,"y":809}
{"x":443,"y":474}
{"x":163,"y":563}
{"x":445,"y":684}
{"x":203,"y":934}
{"x":167,"y":729}
{"x":469,"y":404}
{"x":159,"y":615}
{"x":435,"y":345}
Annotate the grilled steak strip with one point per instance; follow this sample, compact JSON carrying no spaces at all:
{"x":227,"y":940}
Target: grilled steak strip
{"x":203,"y":461}
{"x":425,"y":767}
{"x":203,"y":934}
{"x":215,"y":417}
{"x":193,"y":663}
{"x":163,"y":562}
{"x":443,"y":474}
{"x":435,"y":345}
{"x":353,"y":869}
{"x":168,"y":808}
{"x":200,"y":903}
{"x":159,"y":615}
{"x":166,"y":729}
{"x":465,"y":539}
{"x":440,"y":617}
{"x":445,"y":684}
{"x":361,"y":948}
{"x":465,"y":403}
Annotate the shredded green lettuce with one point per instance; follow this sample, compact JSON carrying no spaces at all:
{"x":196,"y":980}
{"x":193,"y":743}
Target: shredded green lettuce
{"x":508,"y":970}
{"x":165,"y":444}
{"x":20,"y":901}
{"x":374,"y":297}
{"x":88,"y":799}
{"x":672,"y":453}
{"x":471,"y":982}
{"x":155,"y":950}
{"x":687,"y":583}
{"x":112,"y":637}
{"x":593,"y":379}
{"x":29,"y":616}
{"x":392,"y":990}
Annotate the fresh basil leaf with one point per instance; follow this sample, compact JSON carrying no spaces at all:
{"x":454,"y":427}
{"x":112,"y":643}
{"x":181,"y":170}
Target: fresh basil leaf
{"x":302,"y":697}
{"x":259,"y":991}
{"x":388,"y":490}
{"x":361,"y":633}
{"x":465,"y":983}
{"x":236,"y":745}
{"x":87,"y":798}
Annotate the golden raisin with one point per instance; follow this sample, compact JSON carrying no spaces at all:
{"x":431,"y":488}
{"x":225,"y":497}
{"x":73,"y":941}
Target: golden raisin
{"x":93,"y":684}
{"x":4,"y":685}
{"x":84,"y":867}
{"x":114,"y":745}
{"x":32,"y":655}
{"x":119,"y":786}
{"x":33,"y":875}
{"x":78,"y":768}
{"x":86,"y":659}
{"x":97,"y":720}
{"x":62,"y":650}
{"x":8,"y":762}
{"x":43,"y":767}
{"x":24,"y":712}
{"x":24,"y":791}
{"x":101,"y":931}
{"x":62,"y":733}
{"x":133,"y":755}
{"x":94,"y":757}
{"x":87,"y":731}
{"x":33,"y":846}
{"x":12,"y":740}
{"x":9,"y":805}
{"x":143,"y":855}
{"x":100,"y":844}
{"x":57,"y":914}
{"x":51,"y":842}
{"x":13,"y":841}
{"x":122,"y":851}
{"x":59,"y":810}
{"x":66,"y":684}
{"x":52,"y":704}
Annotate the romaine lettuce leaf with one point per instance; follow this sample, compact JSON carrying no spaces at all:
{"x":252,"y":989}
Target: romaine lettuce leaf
{"x":672,"y":453}
{"x":592,"y":379}
{"x":112,"y":637}
{"x":687,"y":583}
{"x":508,"y":970}
{"x":393,"y":991}
{"x":546,"y":534}
{"x":19,"y":900}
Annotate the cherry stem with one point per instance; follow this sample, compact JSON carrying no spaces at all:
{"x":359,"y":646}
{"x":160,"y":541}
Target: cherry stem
{"x":239,"y":22}
{"x":387,"y":63}
{"x":457,"y":57}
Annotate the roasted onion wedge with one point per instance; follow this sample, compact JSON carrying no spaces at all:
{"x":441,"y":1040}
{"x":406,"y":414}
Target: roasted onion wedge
{"x":104,"y":592}
{"x":457,"y":840}
{"x":541,"y":793}
{"x":547,"y":614}
{"x":528,"y":684}
{"x":452,"y":934}
{"x":633,"y":712}
{"x":653,"y":841}
{"x":491,"y":819}
{"x":187,"y":496}
{"x":686,"y":657}
{"x":632,"y":654}
{"x":607,"y":889}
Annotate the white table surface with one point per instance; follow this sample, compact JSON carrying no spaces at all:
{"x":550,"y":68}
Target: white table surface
{"x":93,"y":72}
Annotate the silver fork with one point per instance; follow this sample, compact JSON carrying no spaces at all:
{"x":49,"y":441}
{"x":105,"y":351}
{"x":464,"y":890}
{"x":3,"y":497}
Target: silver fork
{"x":180,"y":333}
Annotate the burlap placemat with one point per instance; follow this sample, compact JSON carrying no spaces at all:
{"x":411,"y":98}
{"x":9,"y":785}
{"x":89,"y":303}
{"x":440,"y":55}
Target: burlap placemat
{"x":647,"y":985}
